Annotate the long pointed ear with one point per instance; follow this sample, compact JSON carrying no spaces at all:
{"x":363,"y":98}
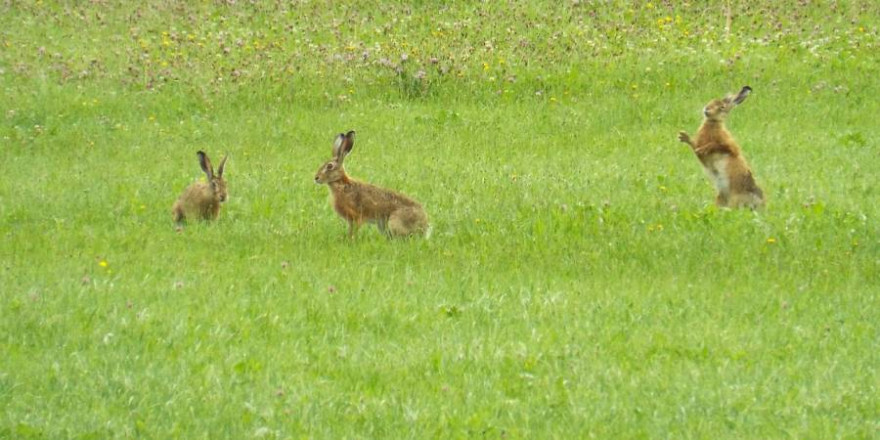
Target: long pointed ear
{"x":743,"y":94}
{"x":222,"y":165}
{"x":337,"y":146}
{"x":349,"y":143}
{"x":206,"y":164}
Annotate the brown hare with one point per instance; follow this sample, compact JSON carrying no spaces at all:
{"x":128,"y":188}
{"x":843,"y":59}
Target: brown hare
{"x":201,"y":200}
{"x":722,"y":158}
{"x":395,"y":214}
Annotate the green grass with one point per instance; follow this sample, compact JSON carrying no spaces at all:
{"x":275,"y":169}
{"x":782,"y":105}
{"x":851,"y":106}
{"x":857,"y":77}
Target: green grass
{"x":578,"y":282}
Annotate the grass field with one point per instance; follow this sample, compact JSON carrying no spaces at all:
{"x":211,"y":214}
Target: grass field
{"x":578,"y":282}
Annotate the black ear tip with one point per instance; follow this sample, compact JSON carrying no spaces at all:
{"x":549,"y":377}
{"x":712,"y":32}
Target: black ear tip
{"x":747,"y":89}
{"x":350,"y":133}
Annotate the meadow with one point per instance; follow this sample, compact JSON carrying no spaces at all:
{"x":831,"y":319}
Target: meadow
{"x":578,"y":281}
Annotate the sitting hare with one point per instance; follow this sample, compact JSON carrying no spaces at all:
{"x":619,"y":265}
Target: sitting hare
{"x":201,"y":200}
{"x":722,"y":158}
{"x":357,"y":202}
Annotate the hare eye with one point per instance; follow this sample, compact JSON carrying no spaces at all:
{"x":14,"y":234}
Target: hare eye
{"x":330,"y":166}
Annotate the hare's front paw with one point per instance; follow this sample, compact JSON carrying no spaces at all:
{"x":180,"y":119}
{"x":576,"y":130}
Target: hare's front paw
{"x":684,"y":137}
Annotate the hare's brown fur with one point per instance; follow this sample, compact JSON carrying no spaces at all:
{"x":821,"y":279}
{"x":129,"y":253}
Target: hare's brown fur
{"x":722,"y":158}
{"x":202,"y":200}
{"x":359,"y":202}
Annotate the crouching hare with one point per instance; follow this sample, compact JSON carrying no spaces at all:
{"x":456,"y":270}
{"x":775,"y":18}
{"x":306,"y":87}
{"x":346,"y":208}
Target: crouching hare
{"x":202,"y":200}
{"x":722,"y":158}
{"x":395,"y":214}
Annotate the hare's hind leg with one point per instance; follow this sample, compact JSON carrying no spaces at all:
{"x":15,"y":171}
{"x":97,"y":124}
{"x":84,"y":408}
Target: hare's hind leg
{"x":757,"y":198}
{"x":382,"y":226}
{"x":177,"y":213}
{"x":749,"y":200}
{"x":407,"y":221}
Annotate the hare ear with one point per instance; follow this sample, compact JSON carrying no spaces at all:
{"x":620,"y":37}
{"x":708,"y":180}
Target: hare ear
{"x":206,"y":164}
{"x":349,"y":142}
{"x":222,"y":165}
{"x":743,"y":94}
{"x":337,"y":146}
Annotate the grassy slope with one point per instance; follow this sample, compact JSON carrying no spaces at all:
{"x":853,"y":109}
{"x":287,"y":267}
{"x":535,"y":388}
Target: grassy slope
{"x":577,"y":280}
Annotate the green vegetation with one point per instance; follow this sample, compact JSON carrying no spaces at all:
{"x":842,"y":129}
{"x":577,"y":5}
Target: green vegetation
{"x":578,"y":282}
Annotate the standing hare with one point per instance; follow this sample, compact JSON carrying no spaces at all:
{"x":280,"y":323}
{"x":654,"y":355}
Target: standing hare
{"x":722,"y":158}
{"x":395,"y":214}
{"x":201,"y":200}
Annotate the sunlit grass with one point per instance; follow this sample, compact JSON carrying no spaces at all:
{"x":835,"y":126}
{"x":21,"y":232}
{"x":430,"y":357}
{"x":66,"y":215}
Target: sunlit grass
{"x":578,"y":282}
